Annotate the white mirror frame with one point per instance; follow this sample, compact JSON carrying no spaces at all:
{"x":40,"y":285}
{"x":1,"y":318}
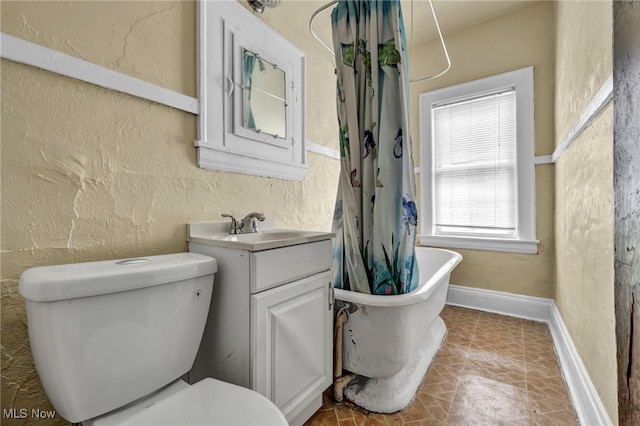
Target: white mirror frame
{"x":224,"y":29}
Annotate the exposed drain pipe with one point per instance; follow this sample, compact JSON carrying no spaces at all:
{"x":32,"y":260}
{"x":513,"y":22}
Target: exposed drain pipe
{"x":340,"y":381}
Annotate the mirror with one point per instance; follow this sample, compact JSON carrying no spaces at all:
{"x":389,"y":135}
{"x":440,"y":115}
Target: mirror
{"x":264,"y":96}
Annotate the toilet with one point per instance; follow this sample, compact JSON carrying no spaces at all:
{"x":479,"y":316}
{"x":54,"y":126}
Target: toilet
{"x":112,"y":339}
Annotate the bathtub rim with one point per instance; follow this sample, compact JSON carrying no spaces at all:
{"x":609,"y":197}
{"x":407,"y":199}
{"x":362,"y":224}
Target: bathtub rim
{"x":418,"y":295}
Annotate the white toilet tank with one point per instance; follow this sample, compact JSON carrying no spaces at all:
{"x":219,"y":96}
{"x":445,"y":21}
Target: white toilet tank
{"x":104,"y":334}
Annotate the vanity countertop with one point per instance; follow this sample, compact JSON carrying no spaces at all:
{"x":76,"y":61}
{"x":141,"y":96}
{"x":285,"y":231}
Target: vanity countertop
{"x":269,"y":237}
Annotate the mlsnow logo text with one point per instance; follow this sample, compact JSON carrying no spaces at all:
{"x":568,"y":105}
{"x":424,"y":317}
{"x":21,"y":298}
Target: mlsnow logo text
{"x":23,"y":413}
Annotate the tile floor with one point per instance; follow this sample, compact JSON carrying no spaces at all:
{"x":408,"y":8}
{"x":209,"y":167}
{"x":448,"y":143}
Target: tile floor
{"x":491,"y":370}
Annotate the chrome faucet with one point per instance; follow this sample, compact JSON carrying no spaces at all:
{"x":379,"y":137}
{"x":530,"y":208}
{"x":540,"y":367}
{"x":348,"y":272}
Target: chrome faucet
{"x":248,"y":225}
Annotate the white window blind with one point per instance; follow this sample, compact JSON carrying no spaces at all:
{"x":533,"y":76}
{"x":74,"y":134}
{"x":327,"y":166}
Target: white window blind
{"x":474,"y":165}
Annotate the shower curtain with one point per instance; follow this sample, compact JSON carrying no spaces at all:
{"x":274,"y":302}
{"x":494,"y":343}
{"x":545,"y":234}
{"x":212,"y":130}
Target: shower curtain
{"x":375,"y":215}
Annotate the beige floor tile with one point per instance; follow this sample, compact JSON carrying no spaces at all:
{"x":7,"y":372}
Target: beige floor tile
{"x":491,"y":370}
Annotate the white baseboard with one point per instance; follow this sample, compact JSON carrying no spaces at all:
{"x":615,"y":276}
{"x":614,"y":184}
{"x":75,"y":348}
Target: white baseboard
{"x":583,"y":395}
{"x":499,"y":302}
{"x":585,"y":399}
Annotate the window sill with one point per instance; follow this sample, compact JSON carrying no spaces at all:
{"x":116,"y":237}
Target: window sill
{"x":475,"y":243}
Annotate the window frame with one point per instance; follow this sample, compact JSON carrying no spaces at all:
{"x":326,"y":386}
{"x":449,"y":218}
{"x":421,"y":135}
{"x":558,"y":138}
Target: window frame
{"x":525,"y":242}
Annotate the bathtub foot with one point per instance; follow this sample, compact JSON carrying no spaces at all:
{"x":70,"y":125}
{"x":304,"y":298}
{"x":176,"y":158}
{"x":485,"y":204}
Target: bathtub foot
{"x":395,"y":393}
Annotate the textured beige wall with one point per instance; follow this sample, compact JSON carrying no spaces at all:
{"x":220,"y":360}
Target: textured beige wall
{"x":584,"y":194}
{"x":583,"y":57}
{"x":90,"y":174}
{"x":521,"y":38}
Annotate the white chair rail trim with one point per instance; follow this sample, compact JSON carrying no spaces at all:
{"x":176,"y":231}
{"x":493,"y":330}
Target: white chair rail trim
{"x":600,"y":100}
{"x":25,"y":52}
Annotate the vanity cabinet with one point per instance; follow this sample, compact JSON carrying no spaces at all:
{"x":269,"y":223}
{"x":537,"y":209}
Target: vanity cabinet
{"x":270,"y":325}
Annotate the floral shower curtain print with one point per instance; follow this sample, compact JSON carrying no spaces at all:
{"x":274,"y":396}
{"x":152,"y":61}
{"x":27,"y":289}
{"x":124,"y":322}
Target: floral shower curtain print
{"x":375,"y":218}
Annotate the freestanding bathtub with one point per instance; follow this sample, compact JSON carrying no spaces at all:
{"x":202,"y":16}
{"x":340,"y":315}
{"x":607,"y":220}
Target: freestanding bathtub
{"x":389,"y":341}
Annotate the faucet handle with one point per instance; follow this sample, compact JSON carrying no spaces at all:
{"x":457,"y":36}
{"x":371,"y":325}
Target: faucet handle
{"x":234,"y":228}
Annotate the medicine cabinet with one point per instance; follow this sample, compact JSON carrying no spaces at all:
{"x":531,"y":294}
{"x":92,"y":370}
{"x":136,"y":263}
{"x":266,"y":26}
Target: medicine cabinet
{"x":251,"y":86}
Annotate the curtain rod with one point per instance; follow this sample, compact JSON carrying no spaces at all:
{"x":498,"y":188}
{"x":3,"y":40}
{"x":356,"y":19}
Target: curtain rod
{"x":435,"y":18}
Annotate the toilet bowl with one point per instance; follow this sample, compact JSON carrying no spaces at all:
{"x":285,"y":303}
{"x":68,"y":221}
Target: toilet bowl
{"x":111,"y":339}
{"x":207,"y":402}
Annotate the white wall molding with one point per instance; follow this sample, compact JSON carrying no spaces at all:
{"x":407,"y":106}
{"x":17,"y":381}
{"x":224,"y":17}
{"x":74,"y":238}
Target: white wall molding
{"x":583,"y":394}
{"x":597,"y":104}
{"x":542,"y":159}
{"x":323,"y":150}
{"x":19,"y":50}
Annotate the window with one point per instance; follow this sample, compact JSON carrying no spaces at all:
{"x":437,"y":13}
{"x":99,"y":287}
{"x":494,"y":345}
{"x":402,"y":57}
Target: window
{"x":477,"y":173}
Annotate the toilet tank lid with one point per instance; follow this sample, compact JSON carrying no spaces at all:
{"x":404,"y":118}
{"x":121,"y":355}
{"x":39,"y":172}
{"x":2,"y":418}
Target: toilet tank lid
{"x":72,"y":281}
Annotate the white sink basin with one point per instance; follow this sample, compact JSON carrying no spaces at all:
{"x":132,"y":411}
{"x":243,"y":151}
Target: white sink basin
{"x":269,"y":237}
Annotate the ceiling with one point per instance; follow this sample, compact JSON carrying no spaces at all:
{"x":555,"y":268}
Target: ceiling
{"x":452,"y":15}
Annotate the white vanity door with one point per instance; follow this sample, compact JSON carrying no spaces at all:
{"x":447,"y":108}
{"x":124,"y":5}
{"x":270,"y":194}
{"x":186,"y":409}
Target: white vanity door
{"x":291,"y":336}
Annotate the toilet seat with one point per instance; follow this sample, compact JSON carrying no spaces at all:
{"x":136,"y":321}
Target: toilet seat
{"x":206,"y":403}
